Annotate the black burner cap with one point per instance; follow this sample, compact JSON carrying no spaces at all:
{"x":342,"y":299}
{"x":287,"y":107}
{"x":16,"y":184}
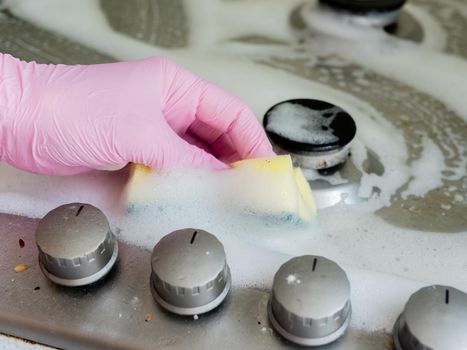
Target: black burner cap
{"x":364,"y":6}
{"x":342,"y":127}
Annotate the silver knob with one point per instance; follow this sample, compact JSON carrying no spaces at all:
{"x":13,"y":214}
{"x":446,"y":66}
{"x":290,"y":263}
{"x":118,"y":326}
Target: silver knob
{"x":434,"y":318}
{"x":310,"y":301}
{"x":190,"y":275}
{"x":76,"y":246}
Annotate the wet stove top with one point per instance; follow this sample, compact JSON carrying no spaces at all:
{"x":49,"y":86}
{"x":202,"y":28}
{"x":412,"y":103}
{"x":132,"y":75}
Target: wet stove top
{"x":119,"y":312}
{"x":114,"y":312}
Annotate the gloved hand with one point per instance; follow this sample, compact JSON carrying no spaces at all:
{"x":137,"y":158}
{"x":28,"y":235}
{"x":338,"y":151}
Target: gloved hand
{"x":63,"y":120}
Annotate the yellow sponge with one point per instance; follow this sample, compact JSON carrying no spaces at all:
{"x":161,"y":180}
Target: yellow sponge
{"x":265,"y":186}
{"x":275,"y":186}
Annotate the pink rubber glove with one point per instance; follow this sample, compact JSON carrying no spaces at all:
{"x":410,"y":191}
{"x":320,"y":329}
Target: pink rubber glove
{"x":63,"y":120}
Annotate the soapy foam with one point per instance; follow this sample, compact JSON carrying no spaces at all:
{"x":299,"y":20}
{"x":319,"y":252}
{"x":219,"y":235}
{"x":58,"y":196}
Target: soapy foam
{"x":372,"y":252}
{"x":434,"y":37}
{"x":425,"y":174}
{"x":11,"y":343}
{"x":229,"y":17}
{"x":375,"y":50}
{"x":302,"y":124}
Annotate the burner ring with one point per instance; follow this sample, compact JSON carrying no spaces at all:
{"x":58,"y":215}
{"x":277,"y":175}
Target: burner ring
{"x":318,"y":134}
{"x":365,"y":6}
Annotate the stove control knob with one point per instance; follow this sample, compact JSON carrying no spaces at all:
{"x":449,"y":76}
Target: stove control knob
{"x":434,"y":318}
{"x":190,"y":275}
{"x":310,"y":301}
{"x":76,"y":246}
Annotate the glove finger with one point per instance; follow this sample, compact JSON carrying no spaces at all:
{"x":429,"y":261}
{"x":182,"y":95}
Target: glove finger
{"x":186,"y":155}
{"x":158,"y":146}
{"x":230,"y":116}
{"x":208,"y":112}
{"x":196,"y":141}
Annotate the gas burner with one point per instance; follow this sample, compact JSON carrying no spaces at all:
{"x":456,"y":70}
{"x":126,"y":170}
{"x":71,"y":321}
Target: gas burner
{"x":190,"y":275}
{"x":310,"y":301}
{"x":365,"y":6}
{"x":76,"y":246}
{"x":379,"y":13}
{"x":434,"y":318}
{"x":318,"y":134}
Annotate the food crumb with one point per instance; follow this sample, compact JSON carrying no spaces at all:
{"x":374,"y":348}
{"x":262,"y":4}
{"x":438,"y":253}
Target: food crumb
{"x":148,"y":317}
{"x":21,"y":267}
{"x":37,"y":288}
{"x":21,"y":243}
{"x":195,"y":317}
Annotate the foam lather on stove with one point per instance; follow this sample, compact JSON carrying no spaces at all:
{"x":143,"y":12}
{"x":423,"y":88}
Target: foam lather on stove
{"x":264,"y":186}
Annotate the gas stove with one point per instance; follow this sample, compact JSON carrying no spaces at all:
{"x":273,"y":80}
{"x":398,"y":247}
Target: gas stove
{"x":186,"y":301}
{"x":97,"y":293}
{"x":120,"y":312}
